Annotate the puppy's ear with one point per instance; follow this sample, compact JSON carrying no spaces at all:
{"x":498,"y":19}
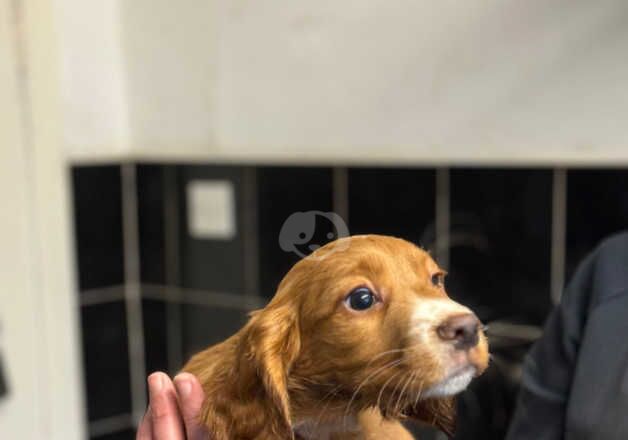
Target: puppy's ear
{"x":274,"y":343}
{"x":437,"y":412}
{"x":245,"y":378}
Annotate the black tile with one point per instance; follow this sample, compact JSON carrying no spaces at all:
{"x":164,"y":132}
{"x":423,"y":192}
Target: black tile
{"x":597,"y":206}
{"x":500,"y":242}
{"x":205,"y":326}
{"x":210,"y":263}
{"x":155,"y":335}
{"x":98,"y":225}
{"x":106,"y":360}
{"x":283,"y":191}
{"x":150,"y":200}
{"x":127,"y":434}
{"x":398,"y":202}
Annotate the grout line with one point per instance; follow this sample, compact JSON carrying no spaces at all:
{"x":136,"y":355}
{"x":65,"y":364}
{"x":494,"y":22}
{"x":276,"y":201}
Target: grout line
{"x":201,"y":297}
{"x":174,"y":334}
{"x":103,"y":295}
{"x":109,"y":425}
{"x":248,"y":213}
{"x":443,"y":216}
{"x":174,"y":295}
{"x":505,"y":329}
{"x":340,"y":193}
{"x":133,"y":299}
{"x":559,"y":225}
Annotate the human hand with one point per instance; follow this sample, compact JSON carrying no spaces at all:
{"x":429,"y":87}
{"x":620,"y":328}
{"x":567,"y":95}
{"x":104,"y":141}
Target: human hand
{"x":174,"y":409}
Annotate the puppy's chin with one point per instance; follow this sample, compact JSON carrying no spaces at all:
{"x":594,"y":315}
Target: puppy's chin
{"x":453,"y":384}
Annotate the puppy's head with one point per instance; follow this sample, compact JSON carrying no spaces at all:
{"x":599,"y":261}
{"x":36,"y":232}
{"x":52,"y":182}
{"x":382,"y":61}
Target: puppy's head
{"x":373,"y":325}
{"x":366,"y":324}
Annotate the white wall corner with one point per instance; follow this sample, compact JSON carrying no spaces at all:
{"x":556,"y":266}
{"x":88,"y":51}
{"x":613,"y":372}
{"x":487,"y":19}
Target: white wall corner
{"x":38,"y":301}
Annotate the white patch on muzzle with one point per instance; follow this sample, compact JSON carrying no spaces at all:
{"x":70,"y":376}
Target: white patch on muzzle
{"x":451,"y":385}
{"x":428,"y":314}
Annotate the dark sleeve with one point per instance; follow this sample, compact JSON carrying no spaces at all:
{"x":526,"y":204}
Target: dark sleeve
{"x":548,"y":369}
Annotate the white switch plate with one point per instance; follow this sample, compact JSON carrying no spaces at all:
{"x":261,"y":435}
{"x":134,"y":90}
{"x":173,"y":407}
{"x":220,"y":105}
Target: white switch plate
{"x":211,"y":209}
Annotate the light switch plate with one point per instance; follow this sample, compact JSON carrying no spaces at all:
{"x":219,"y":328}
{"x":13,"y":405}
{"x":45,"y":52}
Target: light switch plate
{"x":211,"y":209}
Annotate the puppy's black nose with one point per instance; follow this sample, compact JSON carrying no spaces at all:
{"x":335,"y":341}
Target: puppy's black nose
{"x":462,"y":330}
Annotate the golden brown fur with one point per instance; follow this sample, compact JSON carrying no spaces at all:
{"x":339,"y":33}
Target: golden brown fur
{"x":308,"y":366}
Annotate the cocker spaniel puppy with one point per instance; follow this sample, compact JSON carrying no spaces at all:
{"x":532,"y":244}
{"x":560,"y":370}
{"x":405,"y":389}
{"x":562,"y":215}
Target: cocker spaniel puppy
{"x":359,"y":335}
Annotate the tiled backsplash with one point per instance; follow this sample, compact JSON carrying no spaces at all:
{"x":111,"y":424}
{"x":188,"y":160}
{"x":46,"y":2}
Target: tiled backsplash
{"x":106,"y":360}
{"x":197,"y":291}
{"x":280,"y":193}
{"x":500,"y":242}
{"x":399,"y":202}
{"x":597,"y":204}
{"x":98,"y":226}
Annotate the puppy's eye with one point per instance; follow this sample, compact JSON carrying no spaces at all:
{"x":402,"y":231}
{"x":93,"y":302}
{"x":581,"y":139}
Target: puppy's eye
{"x":438,"y":279}
{"x":360,"y":299}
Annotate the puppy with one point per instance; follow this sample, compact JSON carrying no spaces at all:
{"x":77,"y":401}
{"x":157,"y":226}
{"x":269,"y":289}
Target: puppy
{"x":359,"y":335}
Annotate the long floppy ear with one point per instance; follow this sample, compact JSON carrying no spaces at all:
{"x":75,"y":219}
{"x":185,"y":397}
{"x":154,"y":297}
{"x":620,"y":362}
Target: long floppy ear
{"x":245,"y":378}
{"x":274,"y":344}
{"x":437,"y":412}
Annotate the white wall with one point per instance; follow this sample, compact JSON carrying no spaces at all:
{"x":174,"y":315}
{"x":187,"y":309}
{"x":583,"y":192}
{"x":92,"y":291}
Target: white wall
{"x":92,"y":77}
{"x":38,"y":310}
{"x":493,"y":81}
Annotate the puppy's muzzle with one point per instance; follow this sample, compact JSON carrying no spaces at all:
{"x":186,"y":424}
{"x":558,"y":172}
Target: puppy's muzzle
{"x":461,"y":330}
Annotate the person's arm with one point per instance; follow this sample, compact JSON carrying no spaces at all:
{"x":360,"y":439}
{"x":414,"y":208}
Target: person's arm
{"x":174,"y":409}
{"x":549,"y":367}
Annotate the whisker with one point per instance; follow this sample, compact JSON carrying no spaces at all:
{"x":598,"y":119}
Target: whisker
{"x":403,"y":390}
{"x":363,"y":383}
{"x":418,"y":394}
{"x":379,"y":397}
{"x":396,"y":350}
{"x":333,"y":391}
{"x":329,"y":397}
{"x":392,"y":395}
{"x":370,"y":376}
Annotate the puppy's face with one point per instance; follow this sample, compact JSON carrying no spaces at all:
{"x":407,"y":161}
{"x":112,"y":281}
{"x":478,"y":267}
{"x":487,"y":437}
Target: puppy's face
{"x":375,"y":324}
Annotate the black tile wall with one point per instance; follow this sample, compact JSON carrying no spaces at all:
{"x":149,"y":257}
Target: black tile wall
{"x":205,"y":326}
{"x":283,"y":191}
{"x":499,"y":261}
{"x":399,"y":202}
{"x":150,"y":200}
{"x":155,"y":335}
{"x":98,"y":225}
{"x":127,"y":434}
{"x":597,"y":206}
{"x":500,"y":242}
{"x":106,"y":361}
{"x":211,"y":264}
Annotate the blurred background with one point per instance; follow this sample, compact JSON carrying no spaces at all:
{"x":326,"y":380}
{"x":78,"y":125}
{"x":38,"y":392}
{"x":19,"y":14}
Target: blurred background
{"x":152,"y":151}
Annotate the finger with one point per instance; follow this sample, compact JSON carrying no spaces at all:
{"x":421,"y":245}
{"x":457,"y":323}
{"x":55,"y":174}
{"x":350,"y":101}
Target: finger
{"x":145,"y":431}
{"x":166,"y":421}
{"x":191,"y":398}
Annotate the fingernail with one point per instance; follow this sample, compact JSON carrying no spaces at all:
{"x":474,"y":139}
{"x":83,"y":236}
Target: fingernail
{"x":184,"y":387}
{"x":155,"y":382}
